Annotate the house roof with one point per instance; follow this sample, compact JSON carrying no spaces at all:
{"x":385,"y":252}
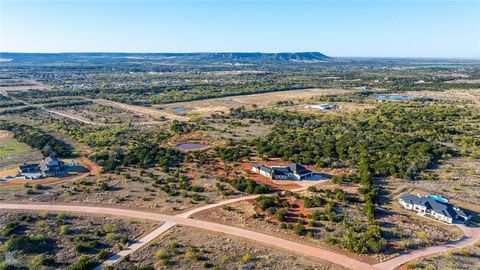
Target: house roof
{"x":51,"y":161}
{"x":298,"y":169}
{"x":445,"y":209}
{"x":280,"y":170}
{"x":265,"y":169}
{"x":28,"y":166}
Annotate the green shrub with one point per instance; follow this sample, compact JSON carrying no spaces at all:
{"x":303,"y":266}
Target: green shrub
{"x":30,"y":244}
{"x":103,"y":255}
{"x":83,"y":263}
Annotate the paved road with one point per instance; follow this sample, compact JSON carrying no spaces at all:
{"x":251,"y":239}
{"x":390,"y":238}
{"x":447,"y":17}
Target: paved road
{"x":325,"y":255}
{"x":136,"y":245}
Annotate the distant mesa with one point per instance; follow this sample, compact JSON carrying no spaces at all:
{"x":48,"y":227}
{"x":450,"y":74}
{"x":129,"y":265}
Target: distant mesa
{"x":239,"y":57}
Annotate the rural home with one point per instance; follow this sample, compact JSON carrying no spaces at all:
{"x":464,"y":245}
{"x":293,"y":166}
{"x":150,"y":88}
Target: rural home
{"x":293,"y":171}
{"x":434,"y":207}
{"x":324,"y":107}
{"x":49,"y":166}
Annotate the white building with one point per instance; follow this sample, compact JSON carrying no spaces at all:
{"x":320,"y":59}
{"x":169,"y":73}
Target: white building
{"x":293,"y":171}
{"x":432,"y":206}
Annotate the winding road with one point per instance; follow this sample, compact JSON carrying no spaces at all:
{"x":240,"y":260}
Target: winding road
{"x":471,"y":234}
{"x":325,"y":255}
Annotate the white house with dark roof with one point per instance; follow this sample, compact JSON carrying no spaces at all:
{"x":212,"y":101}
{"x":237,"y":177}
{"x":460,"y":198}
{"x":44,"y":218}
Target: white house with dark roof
{"x":49,"y":166}
{"x":293,"y":171}
{"x":434,"y":207}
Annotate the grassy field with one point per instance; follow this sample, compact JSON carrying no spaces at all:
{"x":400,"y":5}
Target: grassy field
{"x":9,"y":146}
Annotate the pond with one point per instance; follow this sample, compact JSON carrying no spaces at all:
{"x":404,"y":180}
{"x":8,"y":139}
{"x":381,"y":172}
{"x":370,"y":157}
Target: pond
{"x":191,"y":146}
{"x":179,"y":109}
{"x":394,"y":97}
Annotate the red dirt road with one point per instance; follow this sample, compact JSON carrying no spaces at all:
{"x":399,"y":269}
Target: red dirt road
{"x":471,"y":234}
{"x":255,"y":236}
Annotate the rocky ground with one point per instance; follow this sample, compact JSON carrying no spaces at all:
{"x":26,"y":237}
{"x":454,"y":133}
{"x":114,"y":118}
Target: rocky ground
{"x":184,"y":248}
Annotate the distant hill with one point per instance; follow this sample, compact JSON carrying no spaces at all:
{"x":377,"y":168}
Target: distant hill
{"x":298,"y":56}
{"x":124,"y":57}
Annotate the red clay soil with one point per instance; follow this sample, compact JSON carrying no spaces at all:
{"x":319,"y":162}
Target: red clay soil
{"x":297,"y":207}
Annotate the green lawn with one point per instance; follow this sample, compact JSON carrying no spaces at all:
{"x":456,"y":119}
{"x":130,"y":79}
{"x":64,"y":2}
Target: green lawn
{"x":10,"y":146}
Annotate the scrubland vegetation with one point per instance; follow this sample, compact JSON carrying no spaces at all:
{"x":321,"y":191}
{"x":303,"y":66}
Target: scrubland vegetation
{"x":394,"y":143}
{"x":56,"y":240}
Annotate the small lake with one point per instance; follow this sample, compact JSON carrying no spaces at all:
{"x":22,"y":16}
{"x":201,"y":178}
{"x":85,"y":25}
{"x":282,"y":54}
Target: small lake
{"x":191,"y":146}
{"x":394,"y":97}
{"x":179,"y":109}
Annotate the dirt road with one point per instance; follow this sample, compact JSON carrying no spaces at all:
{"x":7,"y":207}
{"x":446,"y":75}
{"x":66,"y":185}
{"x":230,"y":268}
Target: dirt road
{"x":251,"y":235}
{"x":139,"y":109}
{"x":66,"y":115}
{"x":472,"y":235}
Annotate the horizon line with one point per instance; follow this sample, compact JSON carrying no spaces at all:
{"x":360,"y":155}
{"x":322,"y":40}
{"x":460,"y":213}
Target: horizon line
{"x":252,"y":52}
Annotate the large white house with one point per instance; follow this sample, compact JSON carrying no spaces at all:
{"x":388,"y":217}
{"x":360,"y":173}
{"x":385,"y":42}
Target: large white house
{"x":435,"y":207}
{"x":293,"y":171}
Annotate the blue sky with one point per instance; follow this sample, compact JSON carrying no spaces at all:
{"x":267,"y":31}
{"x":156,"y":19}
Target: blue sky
{"x":386,"y":28}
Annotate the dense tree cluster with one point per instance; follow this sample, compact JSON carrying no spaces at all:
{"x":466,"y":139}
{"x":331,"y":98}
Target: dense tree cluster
{"x":397,"y":139}
{"x":232,"y":152}
{"x":141,"y":154}
{"x":249,"y":186}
